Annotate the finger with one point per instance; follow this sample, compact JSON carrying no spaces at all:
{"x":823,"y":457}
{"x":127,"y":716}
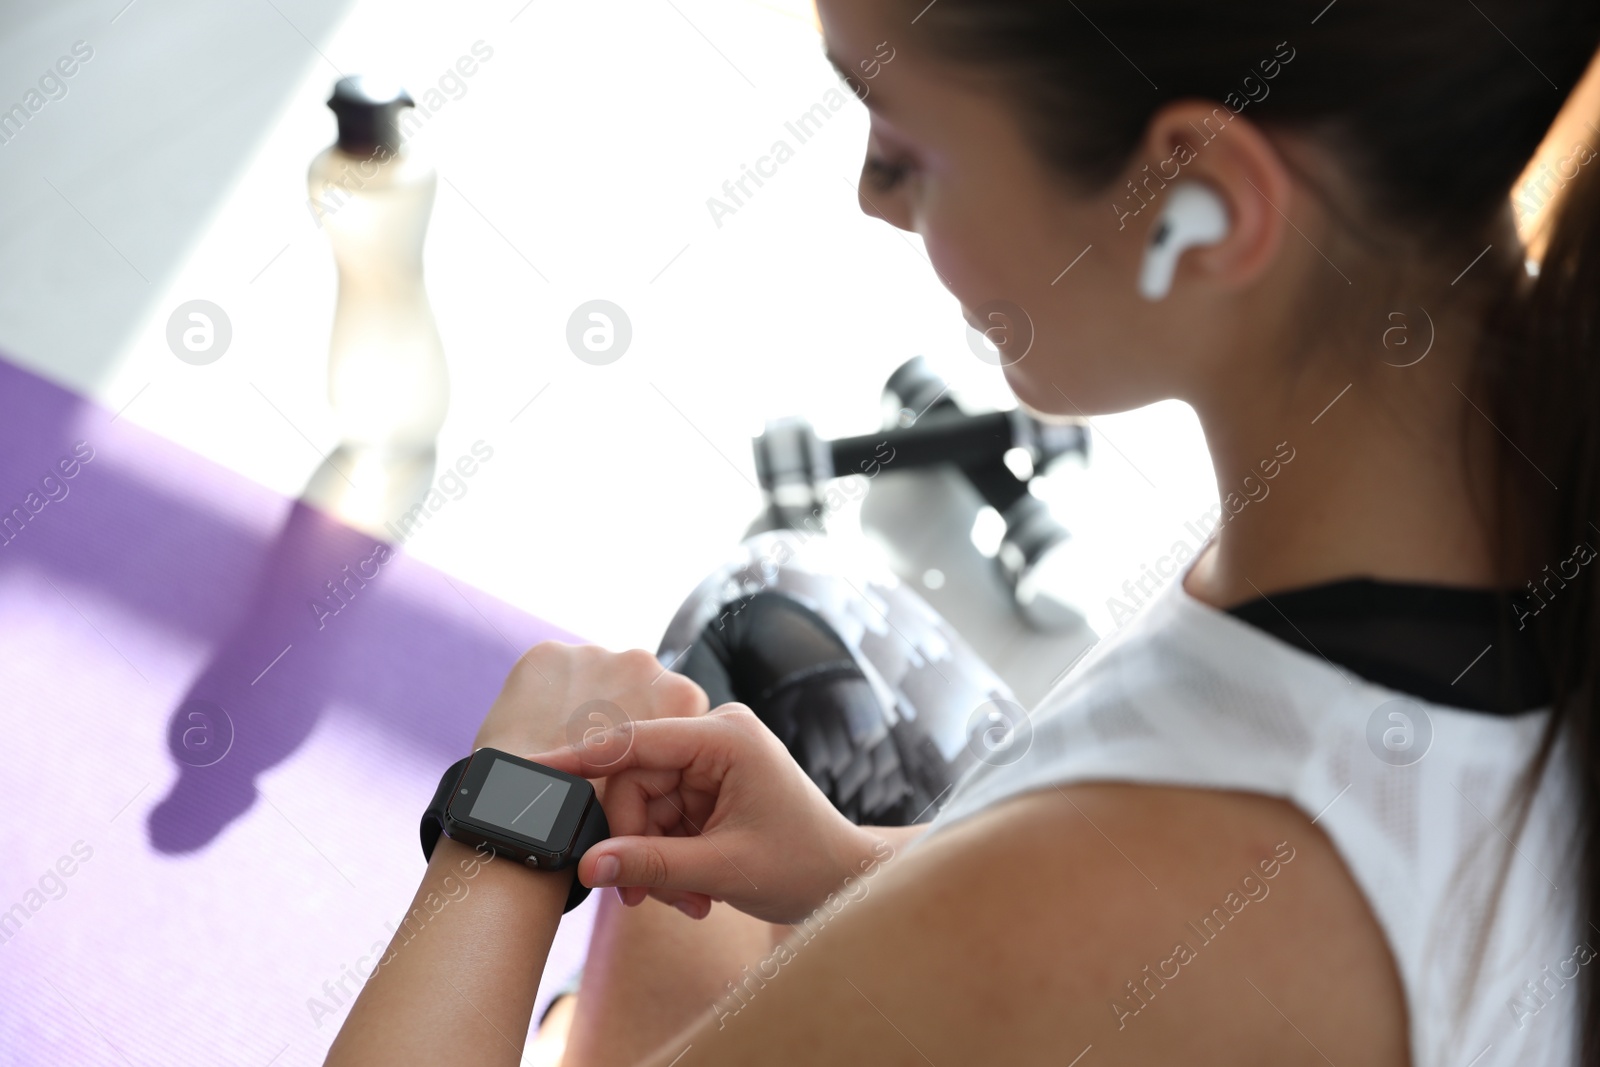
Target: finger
{"x":692,"y":864}
{"x":635,"y":811}
{"x":674,"y":694}
{"x":653,"y":783}
{"x":626,"y":807}
{"x":694,"y":905}
{"x":632,"y":896}
{"x":664,"y":811}
{"x":667,"y":807}
{"x":651,"y":744}
{"x":633,"y":804}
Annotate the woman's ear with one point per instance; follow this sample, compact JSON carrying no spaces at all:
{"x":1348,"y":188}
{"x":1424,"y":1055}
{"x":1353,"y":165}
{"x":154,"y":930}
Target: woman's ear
{"x":1205,"y":142}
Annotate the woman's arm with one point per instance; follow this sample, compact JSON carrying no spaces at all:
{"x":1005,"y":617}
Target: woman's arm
{"x":662,"y":972}
{"x":1048,"y":931}
{"x":458,"y":981}
{"x":1095,"y":923}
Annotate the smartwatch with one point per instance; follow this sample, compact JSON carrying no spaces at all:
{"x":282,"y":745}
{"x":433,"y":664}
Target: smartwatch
{"x":529,"y":813}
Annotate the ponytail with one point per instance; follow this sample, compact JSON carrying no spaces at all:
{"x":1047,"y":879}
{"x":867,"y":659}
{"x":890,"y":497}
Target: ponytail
{"x":1540,"y":367}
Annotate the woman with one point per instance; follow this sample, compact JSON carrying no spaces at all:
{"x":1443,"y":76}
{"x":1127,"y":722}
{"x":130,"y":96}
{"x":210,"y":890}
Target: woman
{"x":1331,"y":796}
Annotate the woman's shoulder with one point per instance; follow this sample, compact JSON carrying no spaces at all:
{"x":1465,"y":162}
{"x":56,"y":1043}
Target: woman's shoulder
{"x":1200,"y":924}
{"x":1092,"y":924}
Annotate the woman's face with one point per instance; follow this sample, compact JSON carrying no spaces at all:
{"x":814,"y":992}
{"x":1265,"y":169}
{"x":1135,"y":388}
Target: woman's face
{"x":1049,"y":274}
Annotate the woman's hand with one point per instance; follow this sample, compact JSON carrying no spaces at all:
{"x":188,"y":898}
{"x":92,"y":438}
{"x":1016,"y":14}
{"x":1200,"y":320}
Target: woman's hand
{"x":715,"y":808}
{"x":559,"y":694}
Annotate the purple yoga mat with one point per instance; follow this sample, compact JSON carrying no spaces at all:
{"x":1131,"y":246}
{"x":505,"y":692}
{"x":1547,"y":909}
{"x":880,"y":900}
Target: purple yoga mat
{"x":212,"y":787}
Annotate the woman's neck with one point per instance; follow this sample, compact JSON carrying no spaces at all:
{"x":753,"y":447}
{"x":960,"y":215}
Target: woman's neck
{"x":1358,"y":474}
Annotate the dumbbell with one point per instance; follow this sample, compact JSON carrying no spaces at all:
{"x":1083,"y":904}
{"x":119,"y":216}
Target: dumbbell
{"x":925,"y":427}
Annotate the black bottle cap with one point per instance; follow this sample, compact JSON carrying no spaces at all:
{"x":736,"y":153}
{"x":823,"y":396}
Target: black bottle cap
{"x":369,"y":115}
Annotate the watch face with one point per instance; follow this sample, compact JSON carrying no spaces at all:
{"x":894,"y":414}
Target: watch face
{"x":519,"y":799}
{"x":514,"y":800}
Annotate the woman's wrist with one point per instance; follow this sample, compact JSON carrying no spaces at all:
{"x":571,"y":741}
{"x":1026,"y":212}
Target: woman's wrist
{"x":457,"y":870}
{"x":520,"y":743}
{"x":863,"y":849}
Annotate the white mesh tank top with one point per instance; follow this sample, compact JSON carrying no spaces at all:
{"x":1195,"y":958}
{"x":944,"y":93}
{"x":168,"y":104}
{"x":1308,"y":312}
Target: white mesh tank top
{"x":1189,"y":695}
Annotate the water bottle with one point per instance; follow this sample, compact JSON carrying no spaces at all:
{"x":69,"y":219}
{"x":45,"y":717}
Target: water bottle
{"x":387,"y":379}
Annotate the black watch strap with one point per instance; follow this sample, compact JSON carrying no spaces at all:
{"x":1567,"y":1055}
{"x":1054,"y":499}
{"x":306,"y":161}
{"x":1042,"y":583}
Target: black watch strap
{"x":592,"y":830}
{"x":433,"y":818}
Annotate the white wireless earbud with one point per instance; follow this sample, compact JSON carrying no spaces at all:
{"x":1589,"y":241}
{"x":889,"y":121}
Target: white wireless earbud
{"x":1193,"y":217}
